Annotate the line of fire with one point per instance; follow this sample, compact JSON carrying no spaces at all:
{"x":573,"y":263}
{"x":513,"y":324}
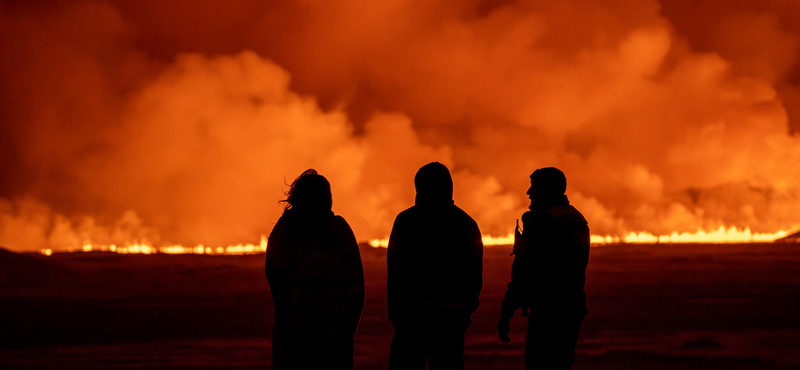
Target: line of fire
{"x":720,"y":236}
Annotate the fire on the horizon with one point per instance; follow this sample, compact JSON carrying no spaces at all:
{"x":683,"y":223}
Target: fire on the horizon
{"x":148,"y":248}
{"x":174,"y":126}
{"x":722,"y":235}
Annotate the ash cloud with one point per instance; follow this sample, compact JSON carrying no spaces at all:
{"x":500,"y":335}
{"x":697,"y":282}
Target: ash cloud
{"x":179,"y":122}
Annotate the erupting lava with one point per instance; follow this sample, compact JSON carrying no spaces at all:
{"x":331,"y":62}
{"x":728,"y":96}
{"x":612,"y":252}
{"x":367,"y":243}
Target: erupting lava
{"x":722,"y":235}
{"x":147,"y":248}
{"x":669,"y":117}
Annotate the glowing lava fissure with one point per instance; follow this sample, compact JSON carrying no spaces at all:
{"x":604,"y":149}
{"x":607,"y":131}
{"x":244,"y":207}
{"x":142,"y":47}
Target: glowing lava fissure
{"x":721,"y":235}
{"x":147,"y":248}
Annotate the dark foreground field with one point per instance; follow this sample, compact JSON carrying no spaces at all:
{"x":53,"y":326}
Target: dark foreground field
{"x":652,"y":307}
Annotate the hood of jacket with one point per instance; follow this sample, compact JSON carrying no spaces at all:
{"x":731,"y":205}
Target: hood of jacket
{"x":434,"y":185}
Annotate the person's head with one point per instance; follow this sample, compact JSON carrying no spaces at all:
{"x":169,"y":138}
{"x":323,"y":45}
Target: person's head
{"x":434,"y":184}
{"x":310,"y":191}
{"x":547,"y":183}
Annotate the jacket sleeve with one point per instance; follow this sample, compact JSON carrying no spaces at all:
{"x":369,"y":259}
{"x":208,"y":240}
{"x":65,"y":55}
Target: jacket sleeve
{"x":395,"y":289}
{"x":476,"y":270}
{"x":278,"y":282}
{"x":514,"y":297}
{"x":357,"y":304}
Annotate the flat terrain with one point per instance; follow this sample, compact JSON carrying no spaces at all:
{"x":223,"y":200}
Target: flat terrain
{"x":652,"y":307}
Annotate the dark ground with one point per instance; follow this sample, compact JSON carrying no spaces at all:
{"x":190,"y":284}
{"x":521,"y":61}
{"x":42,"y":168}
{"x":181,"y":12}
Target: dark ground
{"x":652,"y":307}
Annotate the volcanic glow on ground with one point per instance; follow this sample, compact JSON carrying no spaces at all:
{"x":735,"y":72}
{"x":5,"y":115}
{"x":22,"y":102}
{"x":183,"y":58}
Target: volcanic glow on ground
{"x":147,"y":248}
{"x":721,"y":235}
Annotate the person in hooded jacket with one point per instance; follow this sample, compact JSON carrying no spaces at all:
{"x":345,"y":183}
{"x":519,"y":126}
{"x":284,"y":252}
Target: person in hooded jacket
{"x":314,"y":270}
{"x":434,"y":276}
{"x":548,"y":274}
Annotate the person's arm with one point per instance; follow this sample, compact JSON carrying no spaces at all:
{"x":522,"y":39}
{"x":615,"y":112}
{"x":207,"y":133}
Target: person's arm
{"x":476,"y":270}
{"x":275,"y":244}
{"x":394,"y":269}
{"x":356,"y":272}
{"x":520,"y":274}
{"x":514,"y":297}
{"x":512,"y":300}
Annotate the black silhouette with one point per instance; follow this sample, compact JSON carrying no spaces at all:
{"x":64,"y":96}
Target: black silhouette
{"x":317,"y":281}
{"x":435,"y":267}
{"x":548,"y":274}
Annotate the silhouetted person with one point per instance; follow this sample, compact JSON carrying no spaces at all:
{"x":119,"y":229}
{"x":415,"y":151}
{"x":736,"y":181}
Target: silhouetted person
{"x":317,"y":281}
{"x":548,"y":274}
{"x":435,"y":275}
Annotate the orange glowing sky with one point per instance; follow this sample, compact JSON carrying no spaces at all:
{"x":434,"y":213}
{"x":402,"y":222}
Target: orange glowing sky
{"x":179,"y":121}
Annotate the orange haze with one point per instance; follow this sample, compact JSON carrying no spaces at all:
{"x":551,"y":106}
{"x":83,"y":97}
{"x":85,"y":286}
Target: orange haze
{"x":179,"y":121}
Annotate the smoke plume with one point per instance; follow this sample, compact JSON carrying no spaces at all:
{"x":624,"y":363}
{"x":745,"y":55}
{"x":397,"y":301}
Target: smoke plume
{"x":183,"y":121}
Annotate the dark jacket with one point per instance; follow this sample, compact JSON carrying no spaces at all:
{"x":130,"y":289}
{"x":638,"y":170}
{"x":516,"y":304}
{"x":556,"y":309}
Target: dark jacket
{"x":435,"y":258}
{"x":549,"y":269}
{"x":314,"y":270}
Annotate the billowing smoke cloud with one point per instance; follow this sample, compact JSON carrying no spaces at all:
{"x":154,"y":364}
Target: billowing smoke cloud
{"x":181,"y":122}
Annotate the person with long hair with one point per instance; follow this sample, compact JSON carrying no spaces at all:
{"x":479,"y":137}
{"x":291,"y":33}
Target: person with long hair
{"x":314,"y":270}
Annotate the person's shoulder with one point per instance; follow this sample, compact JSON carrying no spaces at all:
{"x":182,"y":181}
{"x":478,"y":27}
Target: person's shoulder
{"x":537,"y":216}
{"x":339,"y":223}
{"x":281,"y":226}
{"x":463,"y":215}
{"x":457,"y":210}
{"x":566,"y":213}
{"x":337,"y":219}
{"x":407,"y":213}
